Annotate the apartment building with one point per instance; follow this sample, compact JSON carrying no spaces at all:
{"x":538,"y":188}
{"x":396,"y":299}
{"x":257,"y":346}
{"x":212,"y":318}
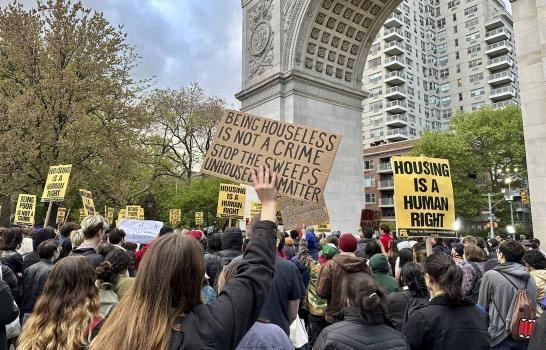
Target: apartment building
{"x":434,"y":58}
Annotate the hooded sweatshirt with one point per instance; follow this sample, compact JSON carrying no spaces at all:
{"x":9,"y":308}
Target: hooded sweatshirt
{"x":380,"y":268}
{"x":330,"y":281}
{"x":540,"y":279}
{"x":497,"y":296}
{"x":312,"y":244}
{"x":232,"y":244}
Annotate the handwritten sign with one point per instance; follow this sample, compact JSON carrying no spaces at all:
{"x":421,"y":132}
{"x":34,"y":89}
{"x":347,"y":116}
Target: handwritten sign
{"x":423,"y":197}
{"x":131,"y":212}
{"x":56,"y":183}
{"x":61,"y":213}
{"x":298,"y":214}
{"x":231,"y":201}
{"x":302,"y":156}
{"x":140,"y":231}
{"x":175,"y":216}
{"x":25,"y":210}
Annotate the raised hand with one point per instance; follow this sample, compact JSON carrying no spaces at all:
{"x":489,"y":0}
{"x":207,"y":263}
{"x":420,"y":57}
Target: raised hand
{"x":267,"y":192}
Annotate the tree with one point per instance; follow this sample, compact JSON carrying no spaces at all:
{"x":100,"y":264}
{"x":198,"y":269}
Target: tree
{"x":182,"y":129}
{"x":67,"y":96}
{"x":479,"y":145}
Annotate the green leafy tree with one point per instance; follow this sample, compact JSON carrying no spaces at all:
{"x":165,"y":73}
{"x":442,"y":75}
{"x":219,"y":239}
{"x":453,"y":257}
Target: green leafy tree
{"x":480,"y":146}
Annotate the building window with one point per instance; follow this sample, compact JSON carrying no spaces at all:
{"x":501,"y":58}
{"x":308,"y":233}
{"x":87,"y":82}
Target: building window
{"x":477,"y":105}
{"x":470,"y":10}
{"x":460,"y":96}
{"x":441,"y":23}
{"x":375,"y":48}
{"x":453,"y":3}
{"x":456,"y":42}
{"x":411,"y":105}
{"x":442,"y":48}
{"x":446,"y":113}
{"x":444,"y":87}
{"x":375,"y":133}
{"x":445,"y":101}
{"x":442,"y":60}
{"x":477,"y":92}
{"x":475,"y":63}
{"x":370,"y":198}
{"x":444,"y":73}
{"x":441,"y":35}
{"x":375,"y":92}
{"x":374,"y":62}
{"x":374,"y":78}
{"x":368,"y":164}
{"x":473,"y":49}
{"x":369,"y":181}
{"x":473,"y":36}
{"x":476,"y":77}
{"x":376,"y":106}
{"x":376,"y":119}
{"x":455,"y":29}
{"x":456,"y":55}
{"x":472,"y":22}
{"x":458,"y":68}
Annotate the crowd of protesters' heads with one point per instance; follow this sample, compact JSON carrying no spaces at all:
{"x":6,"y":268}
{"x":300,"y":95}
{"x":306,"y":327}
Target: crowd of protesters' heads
{"x":85,"y":287}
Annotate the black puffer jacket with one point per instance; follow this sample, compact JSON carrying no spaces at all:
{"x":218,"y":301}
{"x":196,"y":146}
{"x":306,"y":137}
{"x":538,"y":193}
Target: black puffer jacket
{"x":442,"y":325}
{"x":34,"y":280}
{"x":14,"y":261}
{"x":354,"y":334}
{"x":222,"y":324}
{"x":400,"y":306}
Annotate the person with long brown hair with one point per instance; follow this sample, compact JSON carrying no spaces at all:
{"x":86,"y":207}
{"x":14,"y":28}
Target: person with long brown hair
{"x":67,"y":309}
{"x":164,"y":310}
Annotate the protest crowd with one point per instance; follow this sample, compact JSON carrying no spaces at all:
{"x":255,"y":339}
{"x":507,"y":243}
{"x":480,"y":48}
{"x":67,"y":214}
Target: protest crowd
{"x":85,"y":287}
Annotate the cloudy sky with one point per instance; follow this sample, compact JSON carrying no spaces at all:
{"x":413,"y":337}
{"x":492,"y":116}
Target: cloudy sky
{"x":181,"y":41}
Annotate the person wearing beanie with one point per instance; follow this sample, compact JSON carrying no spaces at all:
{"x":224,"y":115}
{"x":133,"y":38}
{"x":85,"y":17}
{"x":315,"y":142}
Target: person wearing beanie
{"x":332,"y":275}
{"x":315,"y":304}
{"x":38,"y":237}
{"x":380,"y":268}
{"x":457,"y":253}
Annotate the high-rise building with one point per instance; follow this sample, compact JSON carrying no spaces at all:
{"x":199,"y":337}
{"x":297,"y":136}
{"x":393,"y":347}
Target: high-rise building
{"x":434,"y":58}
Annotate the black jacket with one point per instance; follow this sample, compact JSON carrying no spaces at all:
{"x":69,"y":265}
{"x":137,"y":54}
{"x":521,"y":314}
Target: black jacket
{"x":222,"y":324}
{"x":400,"y":306}
{"x":8,"y":312}
{"x":213,"y":266}
{"x":440,"y":325}
{"x":9,"y":277}
{"x":538,"y":338}
{"x":354,"y":333}
{"x":14,"y":261}
{"x":30,"y":259}
{"x":34,"y":280}
{"x":91,"y":254}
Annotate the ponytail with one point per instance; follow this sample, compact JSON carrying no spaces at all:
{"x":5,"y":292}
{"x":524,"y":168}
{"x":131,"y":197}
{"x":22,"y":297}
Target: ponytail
{"x":447,"y":274}
{"x":366,"y":296}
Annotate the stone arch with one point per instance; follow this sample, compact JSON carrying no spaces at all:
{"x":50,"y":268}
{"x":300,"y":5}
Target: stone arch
{"x":303,"y":62}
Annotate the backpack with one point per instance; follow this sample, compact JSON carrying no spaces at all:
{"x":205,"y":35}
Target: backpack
{"x":475,"y":291}
{"x":523,"y":316}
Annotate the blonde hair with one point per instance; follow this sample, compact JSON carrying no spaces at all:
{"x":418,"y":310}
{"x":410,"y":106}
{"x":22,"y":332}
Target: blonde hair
{"x":92,"y":225}
{"x":76,"y":238}
{"x":64,"y":311}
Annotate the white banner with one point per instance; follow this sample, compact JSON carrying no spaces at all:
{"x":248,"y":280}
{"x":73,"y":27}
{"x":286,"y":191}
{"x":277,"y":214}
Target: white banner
{"x":140,"y":231}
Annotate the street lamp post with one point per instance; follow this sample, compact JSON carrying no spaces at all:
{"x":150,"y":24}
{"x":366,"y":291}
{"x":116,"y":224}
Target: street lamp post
{"x":511,"y":200}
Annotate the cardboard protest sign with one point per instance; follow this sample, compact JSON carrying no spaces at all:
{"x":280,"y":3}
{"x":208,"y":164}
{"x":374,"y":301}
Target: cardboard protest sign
{"x":24,"y":212}
{"x":175,"y":216}
{"x":423,"y":197}
{"x":87,"y":200}
{"x":298,"y":214}
{"x":110,"y":215}
{"x":140,"y":213}
{"x":140,"y":231}
{"x":131,"y":212}
{"x":199,"y":218}
{"x":56,"y":183}
{"x":301,"y":156}
{"x":61,"y":213}
{"x":231,"y":201}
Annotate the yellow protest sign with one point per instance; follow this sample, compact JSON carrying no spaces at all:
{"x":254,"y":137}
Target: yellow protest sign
{"x":110,"y":215}
{"x":324,"y":228}
{"x":140,"y":213}
{"x":423,"y":197}
{"x":88,"y":203}
{"x":256,"y":208}
{"x":302,"y":156}
{"x":61,"y":213}
{"x":26,"y":207}
{"x":175,"y":216}
{"x":298,"y":214}
{"x":199,"y":218}
{"x":131,"y":212}
{"x":56,"y":183}
{"x":231,"y":201}
{"x":121,"y":216}
{"x":83,"y":214}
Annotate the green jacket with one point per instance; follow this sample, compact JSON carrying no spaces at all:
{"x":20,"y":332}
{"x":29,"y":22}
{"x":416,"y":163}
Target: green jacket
{"x":315,"y":304}
{"x":380,"y":268}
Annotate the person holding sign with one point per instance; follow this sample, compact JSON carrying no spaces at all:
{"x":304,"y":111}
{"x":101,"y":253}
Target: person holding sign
{"x":168,"y":287}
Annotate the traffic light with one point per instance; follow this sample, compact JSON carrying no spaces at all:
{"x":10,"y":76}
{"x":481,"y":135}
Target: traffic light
{"x":524,"y":197}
